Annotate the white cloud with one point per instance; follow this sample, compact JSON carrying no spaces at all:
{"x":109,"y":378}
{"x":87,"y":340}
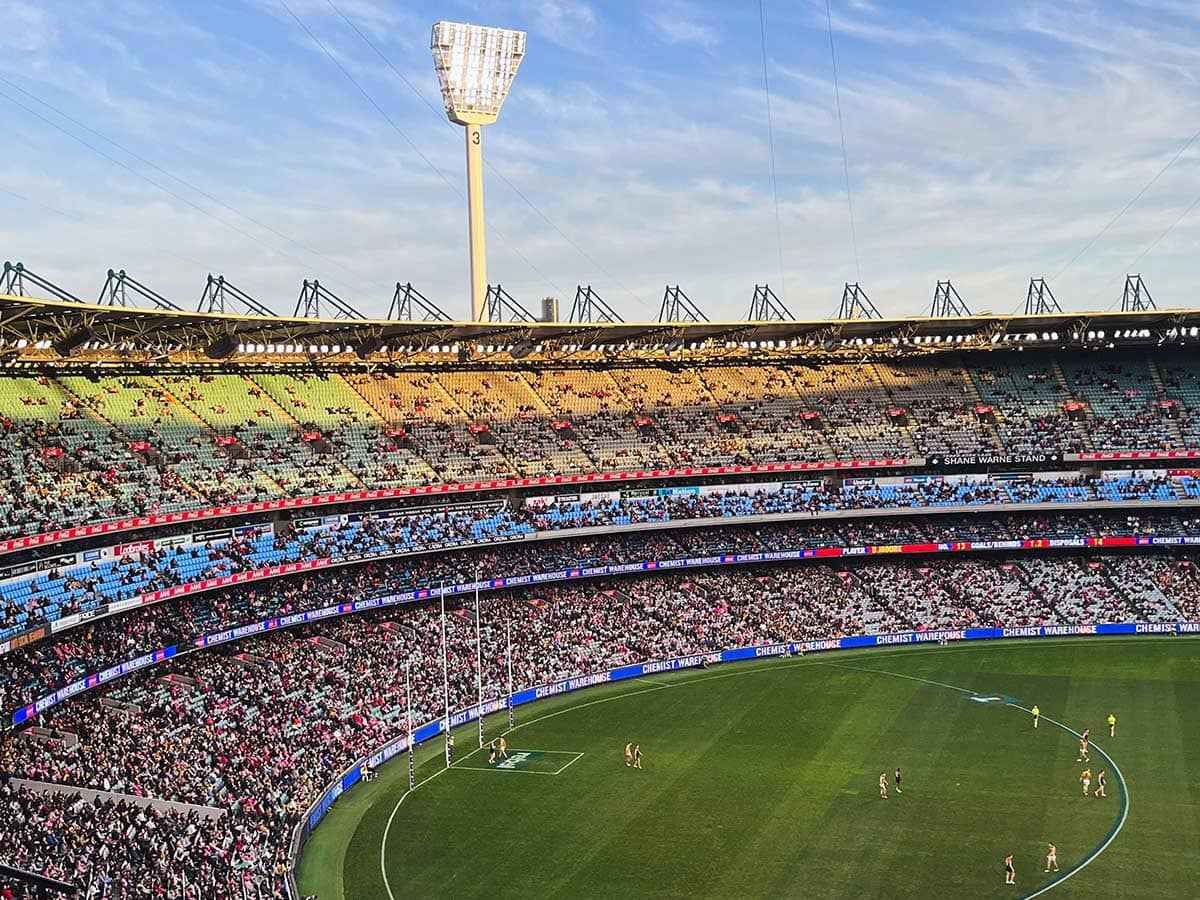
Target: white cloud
{"x":681,"y":22}
{"x":983,"y":151}
{"x":29,"y":28}
{"x":568,"y":23}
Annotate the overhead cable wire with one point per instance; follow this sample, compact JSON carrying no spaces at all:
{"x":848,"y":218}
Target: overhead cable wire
{"x":490,"y":166}
{"x":837,"y":95}
{"x":166,"y":190}
{"x":762,"y":31}
{"x":75,"y":217}
{"x":1132,"y":267}
{"x":1183,"y":215}
{"x":1124,"y":209}
{"x":176,"y":178}
{"x":382,"y":112}
{"x":1195,"y":137}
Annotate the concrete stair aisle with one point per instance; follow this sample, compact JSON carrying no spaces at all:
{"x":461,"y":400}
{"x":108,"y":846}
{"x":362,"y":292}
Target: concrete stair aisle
{"x":546,"y":408}
{"x":660,"y":438}
{"x":620,"y":413}
{"x":718,"y":406}
{"x":743,"y":427}
{"x":1169,"y":610}
{"x":430,"y":476}
{"x":270,"y":401}
{"x":1160,"y":389}
{"x":187,"y":411}
{"x":877,"y":609}
{"x":98,"y":415}
{"x":448,"y":398}
{"x":1089,"y":415}
{"x":906,"y":432}
{"x":977,"y":400}
{"x":802,"y":407}
{"x":38,"y":433}
{"x":538,"y":400}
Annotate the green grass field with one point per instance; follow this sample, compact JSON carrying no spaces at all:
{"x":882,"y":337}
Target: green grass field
{"x":760,"y":780}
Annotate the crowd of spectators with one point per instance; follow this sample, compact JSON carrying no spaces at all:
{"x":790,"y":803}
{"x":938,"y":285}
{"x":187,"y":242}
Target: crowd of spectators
{"x":76,"y":449}
{"x":257,"y":729}
{"x":141,"y":568}
{"x":114,"y":848}
{"x":39,"y":668}
{"x":144,"y":567}
{"x":253,"y":730}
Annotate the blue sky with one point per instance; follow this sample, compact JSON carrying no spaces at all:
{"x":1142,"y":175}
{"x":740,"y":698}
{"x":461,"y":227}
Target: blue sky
{"x":987,"y":142}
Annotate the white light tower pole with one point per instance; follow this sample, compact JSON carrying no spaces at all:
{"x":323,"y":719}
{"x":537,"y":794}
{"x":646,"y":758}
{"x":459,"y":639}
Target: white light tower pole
{"x":475,"y":65}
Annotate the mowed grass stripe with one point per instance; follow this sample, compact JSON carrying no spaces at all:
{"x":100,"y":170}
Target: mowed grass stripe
{"x":665,"y":865}
{"x":1186,"y":717}
{"x":869,"y":844}
{"x":842,"y":775}
{"x":517,"y":834}
{"x":1155,"y":747}
{"x":1153,"y":857}
{"x":635,"y":848}
{"x":1060,"y":693}
{"x":737,"y":796}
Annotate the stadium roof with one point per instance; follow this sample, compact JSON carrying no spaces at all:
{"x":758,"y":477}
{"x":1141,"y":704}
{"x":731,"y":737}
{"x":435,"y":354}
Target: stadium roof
{"x":36,"y":330}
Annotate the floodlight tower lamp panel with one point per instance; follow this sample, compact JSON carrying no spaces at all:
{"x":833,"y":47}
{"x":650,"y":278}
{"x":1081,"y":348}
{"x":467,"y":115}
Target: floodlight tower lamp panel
{"x":476,"y":66}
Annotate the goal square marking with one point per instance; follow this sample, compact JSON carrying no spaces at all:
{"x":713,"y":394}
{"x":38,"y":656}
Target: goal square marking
{"x":530,"y":762}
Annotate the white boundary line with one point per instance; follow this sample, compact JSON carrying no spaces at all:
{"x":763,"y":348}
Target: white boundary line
{"x":501,"y":771}
{"x":662,"y":686}
{"x":497,"y":768}
{"x":951,"y":687}
{"x":387,"y":828}
{"x":578,"y":757}
{"x":1112,"y":835}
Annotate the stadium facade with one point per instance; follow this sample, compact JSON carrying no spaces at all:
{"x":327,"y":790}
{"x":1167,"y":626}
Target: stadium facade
{"x":197,"y":507}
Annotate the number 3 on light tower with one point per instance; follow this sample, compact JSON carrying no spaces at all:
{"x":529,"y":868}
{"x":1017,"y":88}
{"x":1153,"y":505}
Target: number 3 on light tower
{"x":475,"y":136}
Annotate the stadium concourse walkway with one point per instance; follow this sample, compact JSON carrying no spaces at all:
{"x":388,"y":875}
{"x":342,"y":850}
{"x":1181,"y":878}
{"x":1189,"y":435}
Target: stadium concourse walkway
{"x":208,"y":812}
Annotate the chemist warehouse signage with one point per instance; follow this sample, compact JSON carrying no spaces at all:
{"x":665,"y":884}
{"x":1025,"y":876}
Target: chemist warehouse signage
{"x":341,"y":609}
{"x":573,"y":684}
{"x":529,"y":695}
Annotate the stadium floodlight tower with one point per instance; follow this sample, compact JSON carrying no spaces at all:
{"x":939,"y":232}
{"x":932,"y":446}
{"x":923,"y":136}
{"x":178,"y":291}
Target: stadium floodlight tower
{"x":476,"y":66}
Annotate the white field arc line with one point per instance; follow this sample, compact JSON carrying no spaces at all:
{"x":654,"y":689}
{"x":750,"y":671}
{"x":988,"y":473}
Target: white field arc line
{"x":1113,"y":832}
{"x":1112,"y":835}
{"x":1095,"y":853}
{"x":387,"y":828}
